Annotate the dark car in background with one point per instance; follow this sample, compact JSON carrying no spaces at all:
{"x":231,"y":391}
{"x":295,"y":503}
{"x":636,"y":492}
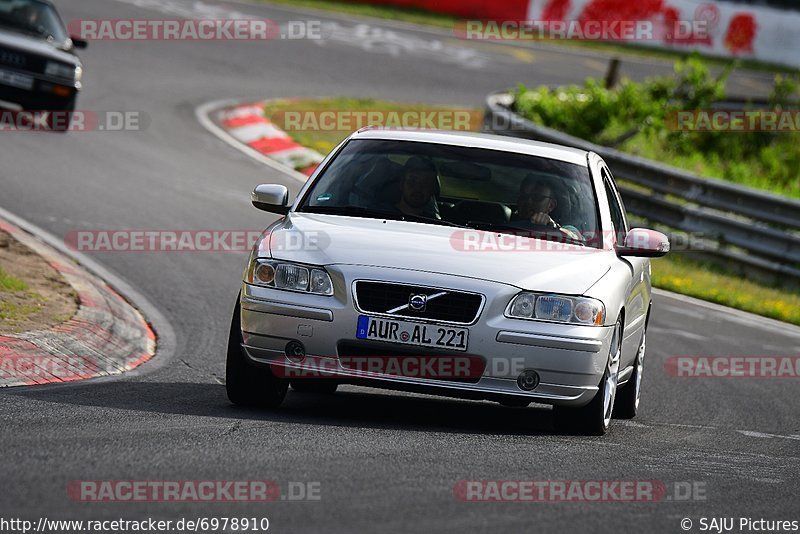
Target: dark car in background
{"x":39,"y":69}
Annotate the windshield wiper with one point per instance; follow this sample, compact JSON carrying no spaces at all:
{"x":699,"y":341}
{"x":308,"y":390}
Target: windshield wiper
{"x":360,"y":211}
{"x":430,"y":220}
{"x":505,"y":228}
{"x":354,"y":211}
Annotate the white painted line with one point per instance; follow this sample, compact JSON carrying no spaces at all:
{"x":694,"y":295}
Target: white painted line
{"x":753,"y":434}
{"x":683,"y":311}
{"x":676,"y":332}
{"x":678,"y":425}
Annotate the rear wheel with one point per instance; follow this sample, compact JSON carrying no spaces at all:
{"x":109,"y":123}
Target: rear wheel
{"x":246,"y":384}
{"x":627,"y":405}
{"x":595,"y":418}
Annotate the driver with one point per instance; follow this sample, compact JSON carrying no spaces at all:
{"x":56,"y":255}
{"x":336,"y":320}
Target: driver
{"x":27,"y":15}
{"x":419,"y":186}
{"x":536,"y":202}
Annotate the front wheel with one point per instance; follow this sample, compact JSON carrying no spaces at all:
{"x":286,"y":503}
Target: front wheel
{"x":61,"y":120}
{"x":594,"y":419}
{"x":246,"y":384}
{"x":627,"y":405}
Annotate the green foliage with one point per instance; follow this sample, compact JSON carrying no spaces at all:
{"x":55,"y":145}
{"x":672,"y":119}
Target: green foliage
{"x":640,"y":118}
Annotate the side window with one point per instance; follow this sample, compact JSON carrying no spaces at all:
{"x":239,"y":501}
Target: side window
{"x":617,"y":213}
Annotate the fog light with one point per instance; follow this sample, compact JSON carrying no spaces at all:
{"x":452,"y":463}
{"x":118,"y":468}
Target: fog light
{"x":528,"y":380}
{"x":295,"y":351}
{"x":60,"y":90}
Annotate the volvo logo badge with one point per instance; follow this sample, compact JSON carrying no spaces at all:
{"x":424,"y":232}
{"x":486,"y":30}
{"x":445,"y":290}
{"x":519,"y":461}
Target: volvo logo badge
{"x":417,"y":302}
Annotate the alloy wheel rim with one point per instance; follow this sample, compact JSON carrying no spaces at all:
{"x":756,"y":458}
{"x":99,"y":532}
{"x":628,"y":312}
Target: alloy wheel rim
{"x":610,"y":386}
{"x":640,"y":369}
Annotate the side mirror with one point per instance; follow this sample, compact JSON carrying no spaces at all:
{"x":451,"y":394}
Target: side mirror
{"x":644,"y":243}
{"x":79,"y":43}
{"x":271,"y":197}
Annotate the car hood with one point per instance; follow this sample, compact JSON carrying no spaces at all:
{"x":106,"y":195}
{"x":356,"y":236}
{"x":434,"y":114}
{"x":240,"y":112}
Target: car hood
{"x":33,"y":45}
{"x":327,"y":239}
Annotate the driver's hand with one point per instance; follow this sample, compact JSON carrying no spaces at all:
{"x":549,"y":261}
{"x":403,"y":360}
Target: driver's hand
{"x":543,"y":219}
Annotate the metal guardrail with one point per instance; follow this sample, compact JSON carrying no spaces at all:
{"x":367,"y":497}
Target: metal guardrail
{"x":736,"y":218}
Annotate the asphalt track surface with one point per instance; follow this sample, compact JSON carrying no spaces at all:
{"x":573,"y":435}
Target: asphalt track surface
{"x":384,"y":461}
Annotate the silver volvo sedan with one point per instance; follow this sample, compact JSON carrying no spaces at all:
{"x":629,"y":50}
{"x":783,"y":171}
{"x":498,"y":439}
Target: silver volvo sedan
{"x":458,"y":264}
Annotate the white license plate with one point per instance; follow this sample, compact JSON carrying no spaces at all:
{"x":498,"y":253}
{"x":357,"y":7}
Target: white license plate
{"x":410,"y":333}
{"x":14,"y":79}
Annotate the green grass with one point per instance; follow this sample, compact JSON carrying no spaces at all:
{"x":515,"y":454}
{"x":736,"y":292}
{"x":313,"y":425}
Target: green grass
{"x":419,"y":16}
{"x":675,"y":272}
{"x":698,"y":279}
{"x":10,"y":311}
{"x":14,"y":313}
{"x":11,"y":283}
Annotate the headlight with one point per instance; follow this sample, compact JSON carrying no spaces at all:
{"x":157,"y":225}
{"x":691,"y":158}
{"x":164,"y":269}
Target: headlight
{"x":62,"y":70}
{"x":557,"y":308}
{"x":289,"y":276}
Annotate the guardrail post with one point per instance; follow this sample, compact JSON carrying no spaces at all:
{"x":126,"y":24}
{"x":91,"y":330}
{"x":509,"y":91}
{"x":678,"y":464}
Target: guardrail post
{"x":612,"y":75}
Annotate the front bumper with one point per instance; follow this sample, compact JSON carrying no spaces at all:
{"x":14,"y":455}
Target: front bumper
{"x":569,"y":359}
{"x":43,"y":95}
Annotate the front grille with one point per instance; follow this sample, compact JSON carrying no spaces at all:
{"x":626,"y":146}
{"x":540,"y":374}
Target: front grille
{"x":411,"y":362}
{"x":442,"y":304}
{"x":21,"y":61}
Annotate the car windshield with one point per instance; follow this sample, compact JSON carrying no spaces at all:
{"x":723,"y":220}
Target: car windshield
{"x":459,"y":186}
{"x":32,"y":17}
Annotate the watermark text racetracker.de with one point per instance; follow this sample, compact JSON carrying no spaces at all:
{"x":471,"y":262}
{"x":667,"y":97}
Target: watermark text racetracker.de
{"x":558,"y":491}
{"x":73,"y":121}
{"x":733,"y":366}
{"x":583,"y":30}
{"x":243,"y":29}
{"x":735,"y":120}
{"x":346,"y":121}
{"x":523,"y":240}
{"x":194,"y":491}
{"x":179,"y":240}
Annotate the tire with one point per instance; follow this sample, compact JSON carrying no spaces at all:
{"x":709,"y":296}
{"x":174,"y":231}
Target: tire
{"x":323,"y":386}
{"x":594,"y":419}
{"x":627,"y":403}
{"x":246,"y":384}
{"x":61,"y":122}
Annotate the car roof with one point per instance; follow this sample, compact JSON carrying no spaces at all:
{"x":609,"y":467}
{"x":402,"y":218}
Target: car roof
{"x":477,"y":140}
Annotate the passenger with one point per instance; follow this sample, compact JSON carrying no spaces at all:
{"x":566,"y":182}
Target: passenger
{"x":536,"y":203}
